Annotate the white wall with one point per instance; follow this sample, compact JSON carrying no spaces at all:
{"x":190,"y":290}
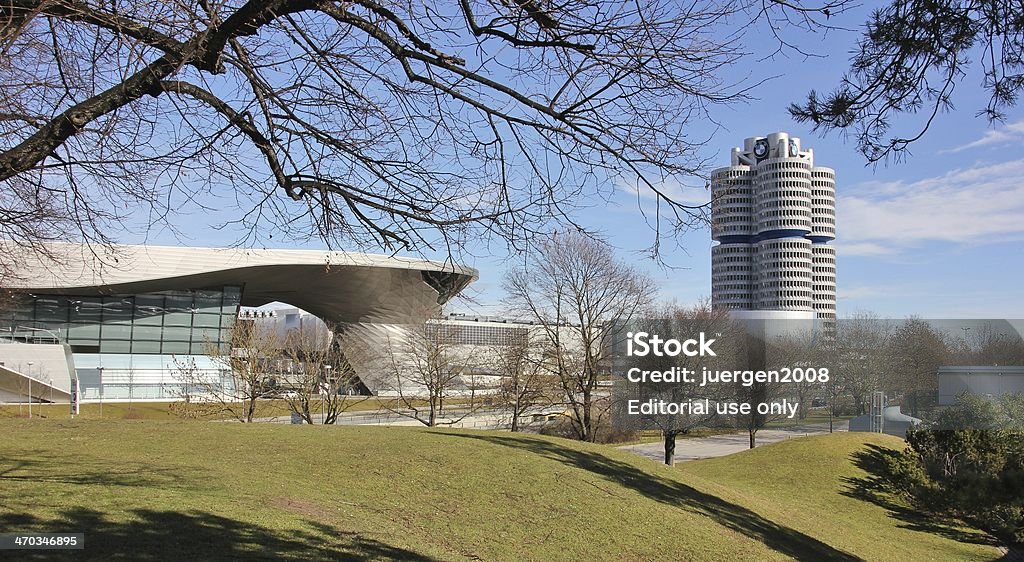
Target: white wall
{"x":49,"y":361}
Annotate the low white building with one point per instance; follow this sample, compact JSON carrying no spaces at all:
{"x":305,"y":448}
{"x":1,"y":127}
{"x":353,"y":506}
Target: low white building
{"x":983,"y":380}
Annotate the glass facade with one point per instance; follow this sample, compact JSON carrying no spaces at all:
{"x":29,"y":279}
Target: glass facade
{"x":130,"y":346}
{"x":474,"y":334}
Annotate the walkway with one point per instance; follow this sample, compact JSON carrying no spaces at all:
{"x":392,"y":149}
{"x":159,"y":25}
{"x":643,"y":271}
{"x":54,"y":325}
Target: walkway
{"x":721,"y":445}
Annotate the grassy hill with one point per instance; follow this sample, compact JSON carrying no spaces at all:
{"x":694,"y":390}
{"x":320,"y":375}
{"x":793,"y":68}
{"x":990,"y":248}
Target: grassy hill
{"x":148,"y":490}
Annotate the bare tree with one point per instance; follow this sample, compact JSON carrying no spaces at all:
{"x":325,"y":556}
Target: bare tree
{"x":246,"y":369}
{"x":755,"y":354}
{"x":394,"y":124}
{"x":425,"y":366}
{"x":528,"y":383}
{"x":576,"y":290}
{"x":863,"y":361}
{"x":918,"y":350}
{"x":989,"y":344}
{"x":673,"y":321}
{"x":319,"y":382}
{"x":833,"y":392}
{"x":771,"y":346}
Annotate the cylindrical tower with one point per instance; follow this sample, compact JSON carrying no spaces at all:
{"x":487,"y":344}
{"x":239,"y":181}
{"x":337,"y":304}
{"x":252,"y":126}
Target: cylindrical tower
{"x":773,"y":214}
{"x":784,"y":274}
{"x":823,"y":231}
{"x":733,"y":225}
{"x":732,"y":276}
{"x":823,"y":267}
{"x":782,"y":191}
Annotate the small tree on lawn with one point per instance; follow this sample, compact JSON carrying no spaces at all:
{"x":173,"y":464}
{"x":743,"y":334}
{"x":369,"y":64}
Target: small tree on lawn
{"x":245,"y":368}
{"x":577,"y":291}
{"x":527,"y":383}
{"x":673,"y":321}
{"x":424,"y":367}
{"x":320,"y":379}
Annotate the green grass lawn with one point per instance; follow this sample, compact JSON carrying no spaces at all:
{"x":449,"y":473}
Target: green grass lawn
{"x":151,"y":490}
{"x":824,"y":487}
{"x":162,"y":410}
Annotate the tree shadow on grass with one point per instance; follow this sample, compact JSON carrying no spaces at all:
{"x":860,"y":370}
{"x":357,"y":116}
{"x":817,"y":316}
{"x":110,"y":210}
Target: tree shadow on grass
{"x":881,"y":486}
{"x":670,"y":492}
{"x":196,"y":535}
{"x":44,"y":466}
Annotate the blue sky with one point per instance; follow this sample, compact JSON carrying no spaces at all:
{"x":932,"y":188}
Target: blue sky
{"x":938,"y":235}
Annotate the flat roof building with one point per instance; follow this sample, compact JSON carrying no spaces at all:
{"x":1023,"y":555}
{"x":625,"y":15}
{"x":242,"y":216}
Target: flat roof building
{"x":982,"y":380}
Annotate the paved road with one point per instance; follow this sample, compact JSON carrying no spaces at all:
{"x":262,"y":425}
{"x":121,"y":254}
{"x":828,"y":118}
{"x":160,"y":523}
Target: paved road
{"x":480,"y":419}
{"x":721,"y":445}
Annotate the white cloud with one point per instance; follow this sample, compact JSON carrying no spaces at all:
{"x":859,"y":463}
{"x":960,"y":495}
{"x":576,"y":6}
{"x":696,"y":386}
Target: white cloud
{"x":976,"y":205}
{"x":863,"y":249}
{"x":671,"y":188}
{"x":1010,"y":132}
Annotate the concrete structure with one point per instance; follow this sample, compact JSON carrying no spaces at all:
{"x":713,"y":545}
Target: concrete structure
{"x":131,"y":314}
{"x":894,"y":422}
{"x":471,"y":344}
{"x":773,"y":216}
{"x":983,"y":380}
{"x":42,"y":371}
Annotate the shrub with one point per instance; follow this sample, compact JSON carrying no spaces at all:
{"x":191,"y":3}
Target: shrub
{"x":970,"y":464}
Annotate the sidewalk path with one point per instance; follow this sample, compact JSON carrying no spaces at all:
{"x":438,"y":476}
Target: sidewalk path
{"x":721,"y":445}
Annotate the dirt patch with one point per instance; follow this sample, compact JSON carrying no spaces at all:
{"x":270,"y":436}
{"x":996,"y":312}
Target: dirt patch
{"x":302,"y":507}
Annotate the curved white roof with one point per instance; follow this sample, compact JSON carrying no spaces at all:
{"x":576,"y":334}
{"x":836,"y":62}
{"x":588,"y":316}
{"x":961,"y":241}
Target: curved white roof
{"x":337,"y":286}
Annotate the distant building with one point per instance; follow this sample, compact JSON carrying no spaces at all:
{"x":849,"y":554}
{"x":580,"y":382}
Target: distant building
{"x":286,"y":321}
{"x":983,"y":380}
{"x":472,"y":342}
{"x":773,"y":216}
{"x":465,"y":329}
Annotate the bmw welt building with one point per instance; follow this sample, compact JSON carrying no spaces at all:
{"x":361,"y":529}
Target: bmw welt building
{"x":121,"y":319}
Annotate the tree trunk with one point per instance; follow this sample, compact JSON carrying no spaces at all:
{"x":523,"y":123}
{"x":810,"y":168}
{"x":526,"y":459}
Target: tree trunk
{"x":670,"y":448}
{"x":752,"y":433}
{"x":588,"y":427}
